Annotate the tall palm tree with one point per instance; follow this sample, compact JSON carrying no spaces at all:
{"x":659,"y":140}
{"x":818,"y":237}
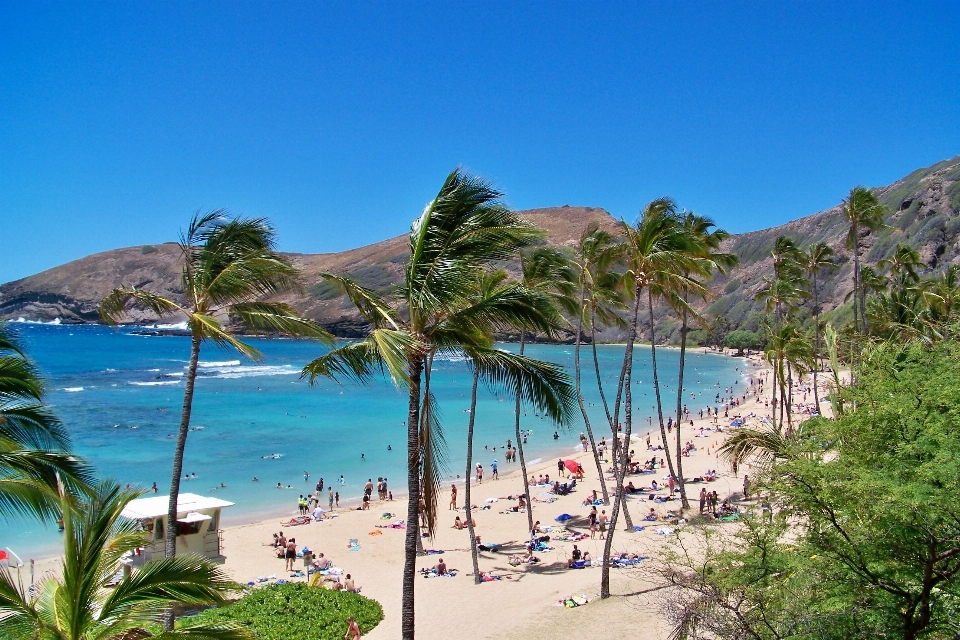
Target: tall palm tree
{"x":817,"y":257}
{"x":463,"y":230}
{"x":34,"y":444}
{"x":903,"y":264}
{"x":545,"y":271}
{"x":705,"y":257}
{"x":658,"y":257}
{"x":864,"y":213}
{"x":81,"y":605}
{"x":230,"y":269}
{"x":596,"y":252}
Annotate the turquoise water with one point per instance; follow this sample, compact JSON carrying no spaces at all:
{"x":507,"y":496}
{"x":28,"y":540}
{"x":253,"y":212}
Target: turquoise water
{"x":120,"y":395}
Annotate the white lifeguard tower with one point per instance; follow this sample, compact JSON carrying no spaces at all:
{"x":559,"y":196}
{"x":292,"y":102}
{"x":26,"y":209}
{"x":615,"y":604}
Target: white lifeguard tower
{"x":199,"y":525}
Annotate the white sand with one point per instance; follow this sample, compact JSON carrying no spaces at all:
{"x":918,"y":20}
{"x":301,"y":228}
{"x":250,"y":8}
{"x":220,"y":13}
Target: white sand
{"x":521,"y":607}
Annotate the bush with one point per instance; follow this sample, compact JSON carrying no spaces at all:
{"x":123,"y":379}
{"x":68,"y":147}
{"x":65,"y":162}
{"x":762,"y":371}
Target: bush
{"x":296,"y":610}
{"x":741,"y":340}
{"x":147,"y":249}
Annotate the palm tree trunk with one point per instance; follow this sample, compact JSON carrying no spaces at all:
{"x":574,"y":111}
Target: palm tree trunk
{"x":857,"y":282}
{"x":583,"y":409}
{"x":623,"y":451}
{"x":789,"y":397}
{"x":415,"y":370}
{"x":596,"y":367}
{"x":816,"y":341}
{"x":685,"y":504}
{"x":172,"y":525}
{"x":523,"y":462}
{"x":773,"y":388}
{"x":656,"y":387}
{"x":466,"y":489}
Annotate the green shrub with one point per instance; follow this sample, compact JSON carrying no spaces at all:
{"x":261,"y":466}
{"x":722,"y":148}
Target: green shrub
{"x":296,"y":610}
{"x":145,"y":249}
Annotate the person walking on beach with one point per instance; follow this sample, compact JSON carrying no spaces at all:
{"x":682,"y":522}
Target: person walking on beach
{"x":493,"y":470}
{"x":353,"y":631}
{"x":453,"y":497}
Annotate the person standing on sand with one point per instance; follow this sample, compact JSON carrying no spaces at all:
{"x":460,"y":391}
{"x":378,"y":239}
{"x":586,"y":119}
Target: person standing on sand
{"x":703,"y":499}
{"x":479,"y":473}
{"x":453,"y":497}
{"x":672,"y":484}
{"x":493,"y":470}
{"x":602,"y":520}
{"x":353,"y":631}
{"x":746,"y":487}
{"x":560,"y":467}
{"x":336,"y":498}
{"x":291,"y":554}
{"x":330,"y":499}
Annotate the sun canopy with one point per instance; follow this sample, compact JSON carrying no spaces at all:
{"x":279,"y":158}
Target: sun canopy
{"x":572,"y":465}
{"x":193,"y":516}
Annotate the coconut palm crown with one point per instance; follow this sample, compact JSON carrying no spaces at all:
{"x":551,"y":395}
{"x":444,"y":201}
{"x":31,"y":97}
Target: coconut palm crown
{"x":87,"y":601}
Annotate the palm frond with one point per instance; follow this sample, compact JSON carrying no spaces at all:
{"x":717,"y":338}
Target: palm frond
{"x":367,"y":301}
{"x":255,"y":275}
{"x":210,"y":328}
{"x":216,"y":631}
{"x":281,"y":318}
{"x":762,"y":446}
{"x":382,"y":349}
{"x":542,"y":385}
{"x":115,"y":305}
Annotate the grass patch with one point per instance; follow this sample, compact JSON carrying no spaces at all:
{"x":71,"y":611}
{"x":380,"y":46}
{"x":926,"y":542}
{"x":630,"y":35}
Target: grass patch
{"x":295,"y":610}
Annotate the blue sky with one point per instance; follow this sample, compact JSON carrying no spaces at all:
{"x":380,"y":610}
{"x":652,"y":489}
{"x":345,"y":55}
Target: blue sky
{"x":339,"y":121}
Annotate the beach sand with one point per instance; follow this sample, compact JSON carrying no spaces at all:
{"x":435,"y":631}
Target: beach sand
{"x":524,"y":606}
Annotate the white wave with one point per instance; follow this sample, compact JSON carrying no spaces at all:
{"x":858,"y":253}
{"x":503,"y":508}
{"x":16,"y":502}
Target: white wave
{"x":175,"y":374}
{"x":153,"y":370}
{"x":181,"y":326}
{"x":109,"y":370}
{"x":73,"y":389}
{"x":250,"y":372}
{"x":450,"y":358}
{"x":225,"y":363}
{"x":156,"y":383}
{"x":21,"y":320}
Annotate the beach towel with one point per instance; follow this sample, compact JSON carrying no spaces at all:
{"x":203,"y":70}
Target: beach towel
{"x":665,"y":531}
{"x":375,"y":532}
{"x":637,"y":527}
{"x":574,"y":601}
{"x":433,"y":552}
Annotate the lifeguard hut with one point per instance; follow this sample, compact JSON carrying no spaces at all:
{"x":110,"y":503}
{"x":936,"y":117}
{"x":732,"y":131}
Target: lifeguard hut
{"x":198,"y":519}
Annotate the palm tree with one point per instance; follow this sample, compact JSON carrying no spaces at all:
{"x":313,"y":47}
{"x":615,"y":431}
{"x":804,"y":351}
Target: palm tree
{"x":903,"y":265}
{"x":705,"y":257}
{"x":596,"y":252}
{"x":33,"y":443}
{"x":463,"y":230}
{"x":230,"y":267}
{"x":863,"y":212}
{"x":943,"y":297}
{"x":81,"y":605}
{"x":658,"y":257}
{"x":817,"y":257}
{"x":787,"y":351}
{"x":545,"y":271}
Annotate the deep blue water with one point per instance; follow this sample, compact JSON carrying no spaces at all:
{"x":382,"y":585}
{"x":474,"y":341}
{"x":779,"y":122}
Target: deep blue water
{"x":121,"y":394}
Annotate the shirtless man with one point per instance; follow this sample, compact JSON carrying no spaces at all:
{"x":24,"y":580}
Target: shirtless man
{"x":440,"y":567}
{"x":349,"y":585}
{"x":322,"y":564}
{"x":291,"y":554}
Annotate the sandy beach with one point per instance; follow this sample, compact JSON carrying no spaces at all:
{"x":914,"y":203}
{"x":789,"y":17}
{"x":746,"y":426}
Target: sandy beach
{"x":524,"y":603}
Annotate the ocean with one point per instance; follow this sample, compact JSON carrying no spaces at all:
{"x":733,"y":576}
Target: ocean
{"x":120,"y":395}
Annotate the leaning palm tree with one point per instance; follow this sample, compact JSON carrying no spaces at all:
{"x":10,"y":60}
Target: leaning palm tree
{"x":817,"y":257}
{"x":596,"y":252}
{"x":33,"y":443}
{"x":658,"y":257}
{"x":545,"y":271}
{"x":86,"y":602}
{"x":491,"y":367}
{"x":864,"y":213}
{"x":705,"y":258}
{"x":463,"y":230}
{"x":230,"y":269}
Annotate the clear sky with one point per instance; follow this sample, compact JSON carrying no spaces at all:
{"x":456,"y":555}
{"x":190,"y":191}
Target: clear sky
{"x":118,"y":120}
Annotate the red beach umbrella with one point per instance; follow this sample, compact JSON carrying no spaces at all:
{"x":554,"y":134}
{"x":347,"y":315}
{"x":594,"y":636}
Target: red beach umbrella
{"x":572,"y":465}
